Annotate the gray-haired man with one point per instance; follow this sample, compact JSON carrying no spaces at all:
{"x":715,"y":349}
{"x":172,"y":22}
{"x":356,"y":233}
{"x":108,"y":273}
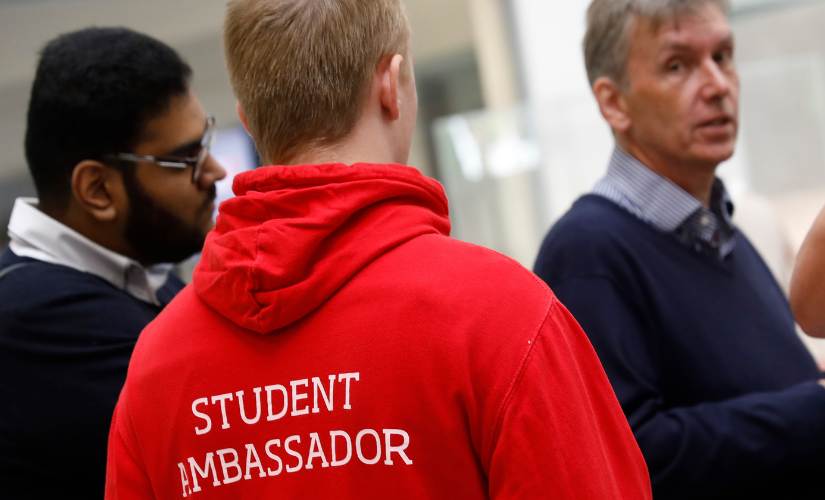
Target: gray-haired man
{"x":695,"y":335}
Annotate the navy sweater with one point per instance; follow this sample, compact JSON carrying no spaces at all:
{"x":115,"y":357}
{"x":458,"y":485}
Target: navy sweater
{"x":65,"y":341}
{"x":719,"y":391}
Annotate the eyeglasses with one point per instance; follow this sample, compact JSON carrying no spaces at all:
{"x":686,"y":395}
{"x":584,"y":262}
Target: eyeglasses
{"x":172,"y":161}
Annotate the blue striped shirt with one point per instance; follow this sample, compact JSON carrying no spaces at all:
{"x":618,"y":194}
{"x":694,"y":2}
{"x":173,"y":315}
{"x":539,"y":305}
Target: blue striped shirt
{"x":659,"y":202}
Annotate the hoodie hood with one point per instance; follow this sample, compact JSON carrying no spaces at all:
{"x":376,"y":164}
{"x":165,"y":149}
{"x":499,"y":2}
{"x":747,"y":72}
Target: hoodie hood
{"x":292,"y":236}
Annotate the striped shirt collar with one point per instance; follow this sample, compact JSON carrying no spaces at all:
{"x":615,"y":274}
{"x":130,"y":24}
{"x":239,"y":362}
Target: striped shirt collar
{"x":667,"y":207}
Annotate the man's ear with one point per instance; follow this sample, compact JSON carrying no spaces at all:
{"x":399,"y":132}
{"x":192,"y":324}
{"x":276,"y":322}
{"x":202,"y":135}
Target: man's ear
{"x":389,"y":71}
{"x":242,"y":116}
{"x":612,"y":103}
{"x":98,"y":189}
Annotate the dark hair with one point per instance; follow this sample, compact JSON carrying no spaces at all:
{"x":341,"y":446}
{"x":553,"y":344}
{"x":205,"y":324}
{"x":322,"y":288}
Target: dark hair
{"x":93,"y":93}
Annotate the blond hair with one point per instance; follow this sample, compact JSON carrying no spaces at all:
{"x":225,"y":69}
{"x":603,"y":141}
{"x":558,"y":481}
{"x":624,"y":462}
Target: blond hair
{"x":302,"y":69}
{"x":608,"y":21}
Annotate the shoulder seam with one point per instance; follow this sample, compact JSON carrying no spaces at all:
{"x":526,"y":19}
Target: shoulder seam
{"x":13,"y":268}
{"x":49,"y":268}
{"x":519,"y":373}
{"x":28,"y":265}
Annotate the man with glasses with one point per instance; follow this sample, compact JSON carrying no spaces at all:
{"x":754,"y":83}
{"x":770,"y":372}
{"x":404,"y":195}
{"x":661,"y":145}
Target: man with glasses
{"x":118,"y":147}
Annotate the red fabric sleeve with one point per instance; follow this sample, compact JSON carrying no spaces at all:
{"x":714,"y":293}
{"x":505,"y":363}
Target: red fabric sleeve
{"x":562,"y":430}
{"x":126,"y":478}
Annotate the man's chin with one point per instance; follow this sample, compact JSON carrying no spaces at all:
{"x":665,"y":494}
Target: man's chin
{"x":170,"y":242}
{"x":206,"y":228}
{"x":713,"y":154}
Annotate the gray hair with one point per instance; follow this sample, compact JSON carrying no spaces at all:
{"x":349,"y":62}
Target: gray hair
{"x":608,"y":22}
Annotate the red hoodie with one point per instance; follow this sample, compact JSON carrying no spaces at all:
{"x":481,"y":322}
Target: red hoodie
{"x":336,"y":343}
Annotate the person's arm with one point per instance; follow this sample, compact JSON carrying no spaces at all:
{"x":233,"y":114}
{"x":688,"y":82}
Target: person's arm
{"x":126,"y":477}
{"x":700,"y":451}
{"x":808,"y":283}
{"x":561,"y":432}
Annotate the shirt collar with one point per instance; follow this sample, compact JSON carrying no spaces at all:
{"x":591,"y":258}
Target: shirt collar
{"x":720,"y":203}
{"x":36,"y":235}
{"x":657,"y":199}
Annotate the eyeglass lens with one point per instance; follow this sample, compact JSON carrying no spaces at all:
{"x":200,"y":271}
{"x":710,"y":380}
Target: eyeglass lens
{"x":206,"y":144}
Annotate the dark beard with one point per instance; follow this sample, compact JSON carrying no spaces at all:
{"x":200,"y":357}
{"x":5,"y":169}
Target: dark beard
{"x":154,"y":233}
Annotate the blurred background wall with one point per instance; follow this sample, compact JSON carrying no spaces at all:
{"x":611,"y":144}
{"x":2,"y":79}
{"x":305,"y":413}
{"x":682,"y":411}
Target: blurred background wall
{"x":780,"y":162}
{"x":445,"y":53}
{"x":506,"y":122}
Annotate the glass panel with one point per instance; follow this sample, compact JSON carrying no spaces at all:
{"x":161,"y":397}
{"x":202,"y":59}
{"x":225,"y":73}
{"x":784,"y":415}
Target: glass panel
{"x":489,"y":163}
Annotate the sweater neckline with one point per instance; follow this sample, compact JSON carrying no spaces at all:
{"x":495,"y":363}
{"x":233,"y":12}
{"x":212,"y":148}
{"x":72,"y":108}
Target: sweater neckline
{"x":726,"y":266}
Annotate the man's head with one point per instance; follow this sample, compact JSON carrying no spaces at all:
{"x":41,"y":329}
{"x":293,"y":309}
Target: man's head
{"x":664,"y":76}
{"x":101,"y":93}
{"x":306,"y":73}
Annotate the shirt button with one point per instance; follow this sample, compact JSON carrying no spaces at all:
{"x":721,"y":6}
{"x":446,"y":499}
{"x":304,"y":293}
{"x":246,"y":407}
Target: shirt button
{"x":704,"y":220}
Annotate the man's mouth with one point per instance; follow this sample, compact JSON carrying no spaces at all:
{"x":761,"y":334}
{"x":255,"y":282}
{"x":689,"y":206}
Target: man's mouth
{"x":718,"y":122}
{"x":209,"y":204}
{"x":721,"y":127}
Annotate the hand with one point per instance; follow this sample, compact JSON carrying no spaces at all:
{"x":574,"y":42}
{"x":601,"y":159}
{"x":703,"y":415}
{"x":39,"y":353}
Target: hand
{"x":822,"y":382}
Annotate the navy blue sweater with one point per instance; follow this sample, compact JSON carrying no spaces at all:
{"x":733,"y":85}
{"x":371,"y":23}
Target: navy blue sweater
{"x":719,"y":391}
{"x":65,"y":342}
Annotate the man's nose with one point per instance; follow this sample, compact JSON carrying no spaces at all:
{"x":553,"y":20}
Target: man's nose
{"x":717,"y":81}
{"x":212,"y":172}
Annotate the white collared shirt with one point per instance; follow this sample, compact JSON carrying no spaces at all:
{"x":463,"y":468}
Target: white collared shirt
{"x":35,"y":235}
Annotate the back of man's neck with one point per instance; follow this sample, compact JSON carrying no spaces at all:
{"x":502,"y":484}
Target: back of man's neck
{"x":346,"y":156}
{"x":369,"y":142}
